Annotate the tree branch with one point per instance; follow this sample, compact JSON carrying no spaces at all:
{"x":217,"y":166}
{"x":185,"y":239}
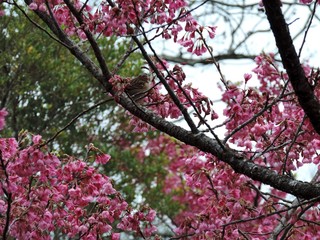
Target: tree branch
{"x":284,"y":221}
{"x":192,"y":62}
{"x":91,"y":40}
{"x":238,"y":162}
{"x":291,"y":63}
{"x":75,"y":119}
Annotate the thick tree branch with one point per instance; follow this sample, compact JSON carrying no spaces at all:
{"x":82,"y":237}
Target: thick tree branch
{"x":291,"y":63}
{"x":92,"y":41}
{"x":239,"y":163}
{"x":192,"y":62}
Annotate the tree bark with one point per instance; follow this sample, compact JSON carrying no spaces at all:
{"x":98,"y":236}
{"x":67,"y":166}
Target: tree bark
{"x":302,"y":88}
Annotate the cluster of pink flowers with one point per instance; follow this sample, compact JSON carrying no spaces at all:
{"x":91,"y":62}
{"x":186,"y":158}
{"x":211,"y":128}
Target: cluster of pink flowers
{"x":41,"y":194}
{"x":122,"y":18}
{"x":211,"y":194}
{"x":270,"y":119}
{"x":216,"y":202}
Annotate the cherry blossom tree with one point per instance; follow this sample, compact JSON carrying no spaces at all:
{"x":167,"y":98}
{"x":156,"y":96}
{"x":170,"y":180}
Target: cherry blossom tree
{"x":270,"y":131}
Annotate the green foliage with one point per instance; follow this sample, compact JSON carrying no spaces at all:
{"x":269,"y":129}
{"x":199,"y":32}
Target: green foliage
{"x":145,"y":176}
{"x":44,"y":87}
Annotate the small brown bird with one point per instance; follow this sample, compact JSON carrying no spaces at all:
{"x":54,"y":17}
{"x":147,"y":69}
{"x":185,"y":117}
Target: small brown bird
{"x":138,"y":87}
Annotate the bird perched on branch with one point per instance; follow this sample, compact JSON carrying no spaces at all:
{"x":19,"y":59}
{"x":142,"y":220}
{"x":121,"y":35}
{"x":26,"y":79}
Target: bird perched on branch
{"x":139,"y":86}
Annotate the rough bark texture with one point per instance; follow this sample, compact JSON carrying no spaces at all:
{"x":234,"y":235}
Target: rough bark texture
{"x":291,"y":63}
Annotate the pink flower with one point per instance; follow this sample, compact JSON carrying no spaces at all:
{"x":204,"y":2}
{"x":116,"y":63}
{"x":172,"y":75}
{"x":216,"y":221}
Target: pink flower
{"x":306,"y":1}
{"x":115,"y":236}
{"x":75,"y":192}
{"x":33,"y":6}
{"x":149,"y":231}
{"x":247,"y":77}
{"x":36,"y":139}
{"x":42,"y":7}
{"x":106,"y":215}
{"x":200,"y":49}
{"x":151,"y":215}
{"x":212,"y":31}
{"x":103,"y":158}
{"x":191,"y":25}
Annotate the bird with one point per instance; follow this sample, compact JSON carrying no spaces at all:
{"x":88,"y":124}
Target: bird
{"x":139,"y":86}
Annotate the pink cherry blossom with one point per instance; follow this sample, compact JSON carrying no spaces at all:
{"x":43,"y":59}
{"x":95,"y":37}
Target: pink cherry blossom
{"x":46,"y":194}
{"x":33,"y":6}
{"x":103,"y":158}
{"x":306,"y":1}
{"x":247,"y":77}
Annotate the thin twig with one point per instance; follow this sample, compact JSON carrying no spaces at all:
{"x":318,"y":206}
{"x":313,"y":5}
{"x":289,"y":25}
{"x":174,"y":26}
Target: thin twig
{"x":308,"y":27}
{"x":75,"y":119}
{"x":292,"y":143}
{"x":277,"y":230}
{"x":255,"y":116}
{"x":271,"y":213}
{"x":83,"y":6}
